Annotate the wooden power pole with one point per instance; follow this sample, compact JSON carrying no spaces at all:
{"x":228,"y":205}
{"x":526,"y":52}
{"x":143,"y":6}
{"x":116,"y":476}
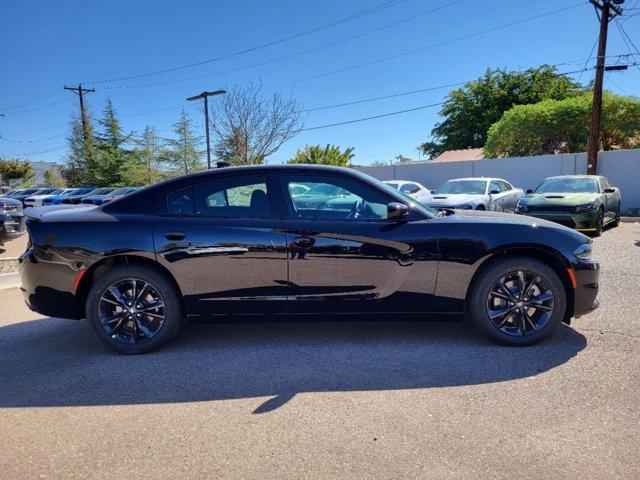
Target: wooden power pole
{"x":80,"y":91}
{"x":607,"y":10}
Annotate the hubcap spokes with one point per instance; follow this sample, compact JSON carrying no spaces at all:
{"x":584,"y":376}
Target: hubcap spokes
{"x":131,"y":311}
{"x":520,"y":303}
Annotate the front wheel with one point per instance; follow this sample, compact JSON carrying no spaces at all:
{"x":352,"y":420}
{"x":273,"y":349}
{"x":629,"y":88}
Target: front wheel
{"x":134,"y":309}
{"x":516,"y":301}
{"x":616,"y":219}
{"x":599,"y":223}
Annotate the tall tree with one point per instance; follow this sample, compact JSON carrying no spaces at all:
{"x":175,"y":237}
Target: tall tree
{"x":112,"y":154}
{"x":249,"y":126}
{"x":80,"y":167}
{"x":328,"y":155}
{"x":562,"y":126}
{"x":469,"y":111}
{"x":183,"y":153}
{"x":144,"y":165}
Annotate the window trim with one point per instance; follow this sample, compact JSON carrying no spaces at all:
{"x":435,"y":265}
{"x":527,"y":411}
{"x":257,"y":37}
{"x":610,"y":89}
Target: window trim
{"x":288,"y":210}
{"x":273,"y":204}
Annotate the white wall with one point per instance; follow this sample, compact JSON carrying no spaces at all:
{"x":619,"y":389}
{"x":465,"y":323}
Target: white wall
{"x":621,"y":167}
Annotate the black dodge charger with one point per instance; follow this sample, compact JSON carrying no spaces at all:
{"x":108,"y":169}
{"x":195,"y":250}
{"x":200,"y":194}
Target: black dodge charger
{"x":243,"y":241}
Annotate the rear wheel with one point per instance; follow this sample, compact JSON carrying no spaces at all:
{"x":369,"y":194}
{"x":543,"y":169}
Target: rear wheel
{"x":134,"y":309}
{"x":480,"y":207}
{"x":517,"y":301}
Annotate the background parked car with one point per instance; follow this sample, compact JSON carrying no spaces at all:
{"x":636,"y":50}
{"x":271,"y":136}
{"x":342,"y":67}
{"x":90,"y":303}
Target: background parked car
{"x":415,"y":190}
{"x":477,"y":193}
{"x":113,"y":195}
{"x":36,"y":200}
{"x":70,"y":192}
{"x":31,"y":191}
{"x":11,"y":219}
{"x":584,"y":202}
{"x":78,"y":197}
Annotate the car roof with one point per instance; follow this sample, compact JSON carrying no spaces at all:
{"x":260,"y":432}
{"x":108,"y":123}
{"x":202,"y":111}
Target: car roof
{"x":574,"y":176}
{"x":483,"y":179}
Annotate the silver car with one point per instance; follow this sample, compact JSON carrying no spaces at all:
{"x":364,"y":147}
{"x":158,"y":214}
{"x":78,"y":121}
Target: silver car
{"x":477,"y":193}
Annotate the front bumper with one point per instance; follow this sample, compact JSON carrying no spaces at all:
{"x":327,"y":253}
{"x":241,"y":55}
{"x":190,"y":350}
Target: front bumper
{"x":584,"y":222}
{"x":11,"y":226}
{"x":587,"y":274}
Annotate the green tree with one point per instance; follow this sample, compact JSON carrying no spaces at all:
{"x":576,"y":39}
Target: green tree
{"x":562,"y":126}
{"x":112,"y":154}
{"x":379,"y":163}
{"x":183,"y":154}
{"x":53,"y":179}
{"x":469,"y":111}
{"x":80,"y":166}
{"x":328,"y":155}
{"x":15,"y":170}
{"x":144,"y":165}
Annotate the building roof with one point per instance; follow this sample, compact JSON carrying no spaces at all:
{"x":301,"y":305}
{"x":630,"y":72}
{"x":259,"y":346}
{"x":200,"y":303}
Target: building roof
{"x":467,"y":154}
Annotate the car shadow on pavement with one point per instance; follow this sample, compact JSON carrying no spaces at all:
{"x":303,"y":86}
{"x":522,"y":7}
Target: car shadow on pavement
{"x":54,"y":363}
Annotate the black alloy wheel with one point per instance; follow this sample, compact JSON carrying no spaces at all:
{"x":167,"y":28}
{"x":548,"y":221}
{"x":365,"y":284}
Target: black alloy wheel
{"x":134,"y":309}
{"x":516,"y":300}
{"x":599,"y":222}
{"x":520,"y":303}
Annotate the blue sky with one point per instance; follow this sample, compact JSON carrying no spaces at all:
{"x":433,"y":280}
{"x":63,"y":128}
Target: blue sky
{"x":45,"y":45}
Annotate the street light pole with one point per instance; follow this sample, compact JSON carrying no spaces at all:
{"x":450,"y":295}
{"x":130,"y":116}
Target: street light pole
{"x":205,"y":96}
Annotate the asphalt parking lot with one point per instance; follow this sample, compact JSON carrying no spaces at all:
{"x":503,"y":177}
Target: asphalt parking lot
{"x":387,"y":399}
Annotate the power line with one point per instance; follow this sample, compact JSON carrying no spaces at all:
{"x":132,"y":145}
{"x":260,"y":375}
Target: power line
{"x":595,"y":43}
{"x":31,"y":100}
{"x":434,"y":45}
{"x":364,"y":119}
{"x":627,"y":40}
{"x":38,"y":152}
{"x":38,"y":108}
{"x":289,"y":56}
{"x":31,"y":141}
{"x":359,"y":14}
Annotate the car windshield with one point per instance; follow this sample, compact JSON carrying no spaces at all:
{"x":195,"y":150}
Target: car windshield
{"x":392,"y":184}
{"x":101,"y":191}
{"x":568,"y":185}
{"x":468,"y":187}
{"x":324,"y":189}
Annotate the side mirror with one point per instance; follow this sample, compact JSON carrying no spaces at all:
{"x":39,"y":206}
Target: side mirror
{"x":609,"y":190}
{"x":529,"y":190}
{"x":396,"y":211}
{"x":494,"y":192}
{"x":433,"y":191}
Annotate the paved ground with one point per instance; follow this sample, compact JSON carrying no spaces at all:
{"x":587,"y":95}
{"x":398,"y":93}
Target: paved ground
{"x":14,"y":248}
{"x":329,"y":400}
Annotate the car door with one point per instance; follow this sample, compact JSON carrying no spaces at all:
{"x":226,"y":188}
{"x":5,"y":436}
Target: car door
{"x":497,"y":199}
{"x":223,"y":242}
{"x":510,"y":196}
{"x":345,"y":256}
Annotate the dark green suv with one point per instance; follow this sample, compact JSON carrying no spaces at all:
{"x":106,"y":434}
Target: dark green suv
{"x":585,"y":202}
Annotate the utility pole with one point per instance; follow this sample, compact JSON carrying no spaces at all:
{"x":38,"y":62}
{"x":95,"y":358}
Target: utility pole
{"x":606,"y":10}
{"x":205,"y":96}
{"x":80,"y":91}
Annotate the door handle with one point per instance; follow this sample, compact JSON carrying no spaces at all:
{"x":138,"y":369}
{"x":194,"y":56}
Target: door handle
{"x":303,"y":242}
{"x":175,"y":235}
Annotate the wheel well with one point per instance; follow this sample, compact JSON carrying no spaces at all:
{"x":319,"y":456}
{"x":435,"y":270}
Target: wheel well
{"x":100,"y":268}
{"x":554,"y":260}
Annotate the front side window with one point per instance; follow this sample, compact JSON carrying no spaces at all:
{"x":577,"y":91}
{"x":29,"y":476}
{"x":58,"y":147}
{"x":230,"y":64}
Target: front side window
{"x":333,"y":198}
{"x":244,"y":197}
{"x":505,"y":186}
{"x":409,"y":188}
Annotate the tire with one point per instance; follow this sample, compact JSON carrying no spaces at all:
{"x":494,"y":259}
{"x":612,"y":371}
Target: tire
{"x":152,"y":326}
{"x":481,"y":303}
{"x":599,"y":223}
{"x":616,"y":219}
{"x":480,"y":207}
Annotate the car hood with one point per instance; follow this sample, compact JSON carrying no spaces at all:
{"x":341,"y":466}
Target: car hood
{"x":569,"y":199}
{"x":68,"y":213}
{"x":9,"y":201}
{"x":453,"y":199}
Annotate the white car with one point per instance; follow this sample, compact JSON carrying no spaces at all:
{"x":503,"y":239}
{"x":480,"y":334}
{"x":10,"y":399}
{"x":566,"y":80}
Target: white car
{"x":36,"y":200}
{"x":415,"y":190}
{"x":477,"y":193}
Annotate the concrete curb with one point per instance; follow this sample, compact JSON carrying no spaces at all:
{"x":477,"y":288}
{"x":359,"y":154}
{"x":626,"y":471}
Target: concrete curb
{"x":630,"y":219}
{"x":9,"y":280}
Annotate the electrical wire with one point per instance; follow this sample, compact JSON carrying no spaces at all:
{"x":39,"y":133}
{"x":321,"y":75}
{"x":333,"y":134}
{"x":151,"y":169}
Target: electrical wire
{"x":32,"y":100}
{"x":362,"y":13}
{"x":289,"y":56}
{"x":422,"y":49}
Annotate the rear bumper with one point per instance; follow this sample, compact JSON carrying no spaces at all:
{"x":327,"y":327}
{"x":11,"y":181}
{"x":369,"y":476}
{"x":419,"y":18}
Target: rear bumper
{"x":585,"y":294}
{"x":11,"y":226}
{"x":584,"y":222}
{"x":47,"y":284}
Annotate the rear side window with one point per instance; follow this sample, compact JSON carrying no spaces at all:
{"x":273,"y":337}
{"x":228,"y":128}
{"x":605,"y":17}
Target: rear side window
{"x":494,"y":186}
{"x":245,"y":197}
{"x":181,"y":202}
